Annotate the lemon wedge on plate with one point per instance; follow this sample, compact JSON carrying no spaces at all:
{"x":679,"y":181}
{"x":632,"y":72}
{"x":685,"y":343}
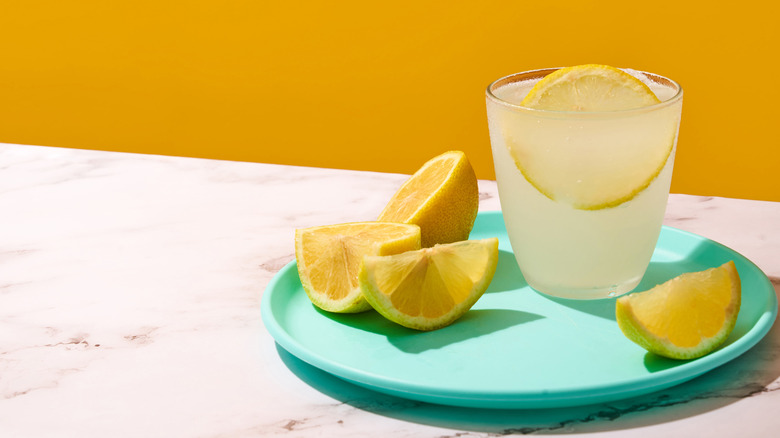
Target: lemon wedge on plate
{"x":687,"y":317}
{"x":430,"y":288}
{"x":442,"y":197}
{"x":329,"y":259}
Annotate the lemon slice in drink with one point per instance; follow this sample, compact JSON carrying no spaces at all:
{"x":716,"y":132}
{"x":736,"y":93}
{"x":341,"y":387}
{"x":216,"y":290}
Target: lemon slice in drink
{"x":442,"y":197}
{"x":590,"y":87}
{"x":587,"y":160}
{"x":432,"y":287}
{"x":687,"y":317}
{"x":329,"y":259}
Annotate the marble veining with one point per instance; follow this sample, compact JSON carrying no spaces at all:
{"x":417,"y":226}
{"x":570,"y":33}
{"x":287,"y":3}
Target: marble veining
{"x":130,"y":290}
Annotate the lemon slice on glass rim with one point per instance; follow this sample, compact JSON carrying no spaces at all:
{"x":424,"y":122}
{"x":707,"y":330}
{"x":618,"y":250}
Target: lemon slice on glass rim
{"x":589,"y":87}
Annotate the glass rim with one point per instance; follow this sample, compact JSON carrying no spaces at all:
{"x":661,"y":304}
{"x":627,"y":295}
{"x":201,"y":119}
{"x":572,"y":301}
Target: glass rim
{"x":515,"y":77}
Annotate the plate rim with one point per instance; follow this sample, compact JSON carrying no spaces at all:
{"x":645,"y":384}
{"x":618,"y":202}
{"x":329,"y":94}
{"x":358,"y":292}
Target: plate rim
{"x":530,"y":399}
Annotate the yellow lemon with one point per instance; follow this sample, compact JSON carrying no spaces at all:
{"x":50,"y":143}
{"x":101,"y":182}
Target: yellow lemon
{"x":686,"y":317}
{"x":442,"y":197}
{"x":329,"y":259}
{"x":429,"y":288}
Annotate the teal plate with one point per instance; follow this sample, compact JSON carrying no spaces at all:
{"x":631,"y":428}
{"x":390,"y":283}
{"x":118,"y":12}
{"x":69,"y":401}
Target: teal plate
{"x":515,"y":348}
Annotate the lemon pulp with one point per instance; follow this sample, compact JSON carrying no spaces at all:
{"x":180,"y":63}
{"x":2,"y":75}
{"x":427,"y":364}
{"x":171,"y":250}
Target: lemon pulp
{"x":432,"y":287}
{"x":685,"y":317}
{"x":329,"y":259}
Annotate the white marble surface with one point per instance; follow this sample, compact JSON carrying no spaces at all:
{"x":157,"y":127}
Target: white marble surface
{"x":130,"y":290}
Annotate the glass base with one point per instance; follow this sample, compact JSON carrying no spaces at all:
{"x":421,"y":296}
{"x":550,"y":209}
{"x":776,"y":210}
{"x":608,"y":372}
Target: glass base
{"x":595,"y":293}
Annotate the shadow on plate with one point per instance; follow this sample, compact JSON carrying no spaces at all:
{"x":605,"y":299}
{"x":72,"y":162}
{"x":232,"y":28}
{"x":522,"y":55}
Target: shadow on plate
{"x":657,"y":272}
{"x":508,"y":275}
{"x":655,"y":363}
{"x":475,"y":323}
{"x":745,"y":376}
{"x":604,"y":308}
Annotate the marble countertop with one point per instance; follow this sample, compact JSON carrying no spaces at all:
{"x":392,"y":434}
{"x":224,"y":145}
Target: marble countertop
{"x":130,"y":289}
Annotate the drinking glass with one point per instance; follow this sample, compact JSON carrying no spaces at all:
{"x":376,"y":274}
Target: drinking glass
{"x":583,"y":193}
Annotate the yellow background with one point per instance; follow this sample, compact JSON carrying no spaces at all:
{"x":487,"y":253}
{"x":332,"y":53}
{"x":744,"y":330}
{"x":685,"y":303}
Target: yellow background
{"x":374,"y":85}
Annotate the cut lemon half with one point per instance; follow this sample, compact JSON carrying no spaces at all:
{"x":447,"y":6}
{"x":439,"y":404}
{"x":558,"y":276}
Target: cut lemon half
{"x":687,"y":317}
{"x":432,"y":287}
{"x":594,"y":161}
{"x":329,"y":259}
{"x":442,"y":197}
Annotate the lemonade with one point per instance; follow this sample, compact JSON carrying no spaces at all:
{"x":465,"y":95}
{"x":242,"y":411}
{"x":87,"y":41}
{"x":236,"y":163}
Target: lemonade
{"x":583,"y":193}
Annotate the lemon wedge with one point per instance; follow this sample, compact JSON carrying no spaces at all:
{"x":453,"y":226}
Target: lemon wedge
{"x":687,"y":317}
{"x":429,"y":288}
{"x":442,"y":197}
{"x":329,"y":259}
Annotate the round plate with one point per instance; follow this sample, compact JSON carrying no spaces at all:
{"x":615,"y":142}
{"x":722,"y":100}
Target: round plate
{"x":515,"y":348}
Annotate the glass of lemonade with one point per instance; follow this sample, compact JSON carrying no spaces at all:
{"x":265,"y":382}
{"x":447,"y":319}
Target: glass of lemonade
{"x":583,"y":193}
